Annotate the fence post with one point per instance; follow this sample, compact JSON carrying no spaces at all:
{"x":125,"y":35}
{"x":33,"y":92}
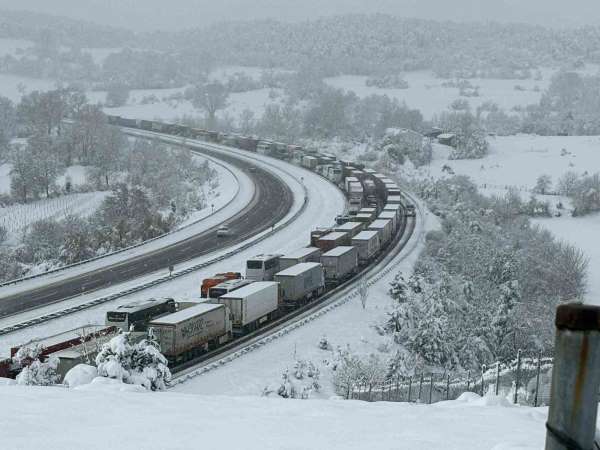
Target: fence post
{"x":409,"y":388}
{"x":517,"y":378}
{"x":537,"y":380}
{"x":420,"y":386}
{"x":483,"y":368}
{"x":448,"y":388}
{"x":468,"y":381}
{"x":430,"y":388}
{"x":575,"y":378}
{"x":497,"y":376}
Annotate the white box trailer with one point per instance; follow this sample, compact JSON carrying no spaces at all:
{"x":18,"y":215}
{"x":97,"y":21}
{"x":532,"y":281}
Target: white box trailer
{"x":301,"y":282}
{"x":367,"y":243}
{"x":252,"y":304}
{"x":385,"y":229}
{"x":301,"y":255}
{"x":349,"y":180}
{"x":340,"y":263}
{"x":352,"y":228}
{"x":310,"y":162}
{"x":397,"y":208}
{"x":394,"y":199}
{"x":371,"y":211}
{"x":185,"y":333}
{"x":390,"y":215}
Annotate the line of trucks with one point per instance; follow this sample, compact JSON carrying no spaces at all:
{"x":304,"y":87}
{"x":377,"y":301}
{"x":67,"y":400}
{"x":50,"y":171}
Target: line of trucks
{"x":231,"y":305}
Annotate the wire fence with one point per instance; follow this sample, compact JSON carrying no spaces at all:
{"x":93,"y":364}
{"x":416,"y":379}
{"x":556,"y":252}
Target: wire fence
{"x":524,"y":381}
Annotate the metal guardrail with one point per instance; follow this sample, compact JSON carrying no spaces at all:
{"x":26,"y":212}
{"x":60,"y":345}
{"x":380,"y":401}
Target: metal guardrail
{"x":131,"y":247}
{"x":310,"y":312}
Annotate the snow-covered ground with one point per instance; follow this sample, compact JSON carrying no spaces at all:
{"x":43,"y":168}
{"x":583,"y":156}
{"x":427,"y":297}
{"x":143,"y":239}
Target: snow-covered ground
{"x":324,"y":204}
{"x":234,"y":192}
{"x":13,"y":86}
{"x":18,"y":217}
{"x":517,"y":161}
{"x":426,"y":93}
{"x":13,"y":46}
{"x":100,"y":416}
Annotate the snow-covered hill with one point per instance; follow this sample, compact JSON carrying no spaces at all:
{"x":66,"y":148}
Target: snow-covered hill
{"x":103,"y":415}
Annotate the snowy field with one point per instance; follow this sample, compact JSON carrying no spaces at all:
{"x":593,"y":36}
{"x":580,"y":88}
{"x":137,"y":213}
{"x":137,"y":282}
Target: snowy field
{"x":18,"y":217}
{"x":32,"y":418}
{"x":426,"y":93}
{"x":518,"y":161}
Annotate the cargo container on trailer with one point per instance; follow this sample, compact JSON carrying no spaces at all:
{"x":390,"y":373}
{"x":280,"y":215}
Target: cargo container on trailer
{"x":352,"y":228}
{"x":192,"y":331}
{"x":390,"y":215}
{"x":367,"y":243}
{"x":340,"y":263}
{"x":385,"y":229}
{"x":333,"y":240}
{"x":301,"y":282}
{"x":301,"y":255}
{"x":252,"y":305}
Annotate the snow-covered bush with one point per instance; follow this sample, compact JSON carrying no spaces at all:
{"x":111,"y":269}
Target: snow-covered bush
{"x":324,"y":343}
{"x":33,"y":371}
{"x":301,"y":382}
{"x":134,"y":363}
{"x":79,"y":375}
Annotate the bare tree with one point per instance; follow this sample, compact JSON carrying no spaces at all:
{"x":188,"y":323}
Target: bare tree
{"x":211,"y":97}
{"x":363,"y":291}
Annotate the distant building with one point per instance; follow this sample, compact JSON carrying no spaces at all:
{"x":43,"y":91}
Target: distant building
{"x":434,"y":133}
{"x":447,"y":139}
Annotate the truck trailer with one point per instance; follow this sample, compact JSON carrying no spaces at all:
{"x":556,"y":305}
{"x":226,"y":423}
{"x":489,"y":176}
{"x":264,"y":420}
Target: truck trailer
{"x":352,"y":228}
{"x":301,"y":255}
{"x":301,"y":282}
{"x":192,"y":331}
{"x":252,"y":305}
{"x":367,"y":243}
{"x":385,"y":229}
{"x":339,"y":263}
{"x":333,"y":240}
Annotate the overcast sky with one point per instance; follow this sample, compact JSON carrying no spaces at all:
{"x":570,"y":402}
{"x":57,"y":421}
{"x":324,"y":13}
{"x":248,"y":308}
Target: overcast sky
{"x":177,"y":14}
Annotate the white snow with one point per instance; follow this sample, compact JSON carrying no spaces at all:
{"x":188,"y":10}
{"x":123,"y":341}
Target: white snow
{"x":13,"y":46}
{"x":119,"y":416}
{"x":79,"y":375}
{"x":16,"y":218}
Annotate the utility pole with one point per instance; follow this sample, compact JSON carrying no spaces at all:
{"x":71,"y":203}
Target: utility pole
{"x":575,"y":379}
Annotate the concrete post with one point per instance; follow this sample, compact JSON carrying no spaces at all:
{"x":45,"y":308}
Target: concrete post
{"x":575,"y":379}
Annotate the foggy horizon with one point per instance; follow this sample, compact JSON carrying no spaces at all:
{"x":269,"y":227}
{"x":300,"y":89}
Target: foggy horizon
{"x":158,"y":15}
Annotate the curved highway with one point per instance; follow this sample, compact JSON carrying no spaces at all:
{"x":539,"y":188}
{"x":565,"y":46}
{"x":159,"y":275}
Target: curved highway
{"x":271,"y":202}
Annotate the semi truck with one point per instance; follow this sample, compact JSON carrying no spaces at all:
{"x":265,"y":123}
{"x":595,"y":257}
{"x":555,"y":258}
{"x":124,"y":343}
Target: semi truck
{"x":333,"y":240}
{"x":301,"y":255}
{"x":367,"y":243}
{"x":339,"y":263}
{"x":251,"y":305}
{"x":352,"y":228}
{"x":301,"y":282}
{"x":385,"y":228}
{"x":192,"y":331}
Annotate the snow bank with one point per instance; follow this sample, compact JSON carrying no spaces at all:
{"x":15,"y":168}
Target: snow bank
{"x":103,"y":384}
{"x":79,"y":375}
{"x":134,"y":421}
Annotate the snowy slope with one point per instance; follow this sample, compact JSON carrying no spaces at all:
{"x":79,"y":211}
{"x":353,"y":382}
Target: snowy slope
{"x":101,"y":416}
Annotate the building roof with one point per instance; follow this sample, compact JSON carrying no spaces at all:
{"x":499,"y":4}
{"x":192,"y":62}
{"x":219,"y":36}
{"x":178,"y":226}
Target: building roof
{"x":297,"y":269}
{"x":446,"y":136}
{"x":187,"y":313}
{"x":338,"y":251}
{"x":250,"y":289}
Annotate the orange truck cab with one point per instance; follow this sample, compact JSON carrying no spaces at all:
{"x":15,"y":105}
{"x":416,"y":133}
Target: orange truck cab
{"x":207,"y":283}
